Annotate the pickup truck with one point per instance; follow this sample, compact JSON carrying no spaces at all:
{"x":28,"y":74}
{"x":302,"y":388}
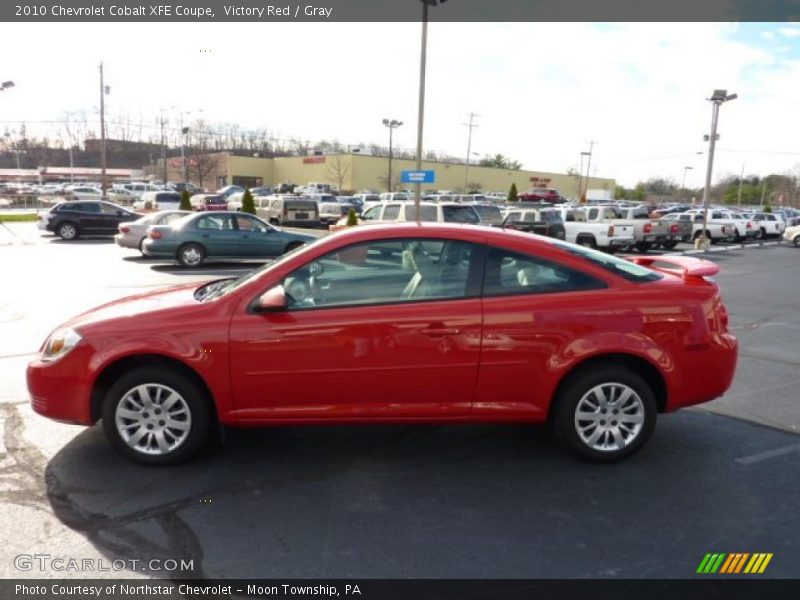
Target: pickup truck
{"x":534,"y":220}
{"x":647,"y":232}
{"x":716,"y":231}
{"x":605,"y":236}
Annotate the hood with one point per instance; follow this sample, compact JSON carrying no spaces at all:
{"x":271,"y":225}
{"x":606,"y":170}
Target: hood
{"x":137,"y":306}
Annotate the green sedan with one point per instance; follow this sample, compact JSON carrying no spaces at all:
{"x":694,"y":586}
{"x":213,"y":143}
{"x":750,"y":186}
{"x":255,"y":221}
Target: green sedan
{"x":219,"y":235}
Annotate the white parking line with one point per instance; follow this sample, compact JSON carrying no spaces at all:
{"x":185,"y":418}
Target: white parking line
{"x":754,"y":458}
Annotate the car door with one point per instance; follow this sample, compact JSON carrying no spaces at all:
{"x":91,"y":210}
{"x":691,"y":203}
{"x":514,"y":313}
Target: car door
{"x":91,"y":217}
{"x":367,"y":333}
{"x":110,"y":217}
{"x":218,"y":235}
{"x":257,"y":239}
{"x":532,"y":308}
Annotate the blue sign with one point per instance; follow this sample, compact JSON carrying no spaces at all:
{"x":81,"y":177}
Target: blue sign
{"x":417,"y":176}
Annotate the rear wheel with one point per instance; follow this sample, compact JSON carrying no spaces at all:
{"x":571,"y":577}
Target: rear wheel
{"x":796,"y":241}
{"x":762,"y":234}
{"x":293,"y":246}
{"x":156,"y":416}
{"x":191,"y":255}
{"x":605,"y":413}
{"x":587,"y":241}
{"x":643,"y":246}
{"x":141,"y":245}
{"x":67,"y":231}
{"x":669,"y":245}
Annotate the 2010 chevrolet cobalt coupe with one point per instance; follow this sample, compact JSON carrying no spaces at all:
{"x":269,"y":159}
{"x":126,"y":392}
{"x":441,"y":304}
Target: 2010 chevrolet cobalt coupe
{"x":400,"y":324}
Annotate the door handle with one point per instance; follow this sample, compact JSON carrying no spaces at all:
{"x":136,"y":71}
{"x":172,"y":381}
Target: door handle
{"x":205,"y":235}
{"x":440,"y":331}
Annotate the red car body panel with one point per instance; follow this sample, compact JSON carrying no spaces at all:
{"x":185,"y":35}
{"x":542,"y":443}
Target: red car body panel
{"x":481,"y":359}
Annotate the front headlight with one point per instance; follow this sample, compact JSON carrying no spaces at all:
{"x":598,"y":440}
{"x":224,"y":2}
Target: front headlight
{"x":60,"y":342}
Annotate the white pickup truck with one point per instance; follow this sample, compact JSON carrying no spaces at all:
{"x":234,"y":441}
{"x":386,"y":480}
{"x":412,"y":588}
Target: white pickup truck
{"x":604,"y":236}
{"x":717,"y":230}
{"x":647,"y":232}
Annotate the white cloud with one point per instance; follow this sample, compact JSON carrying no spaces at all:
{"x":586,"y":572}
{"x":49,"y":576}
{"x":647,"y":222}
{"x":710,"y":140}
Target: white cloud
{"x":542,"y":90}
{"x":789,"y":32}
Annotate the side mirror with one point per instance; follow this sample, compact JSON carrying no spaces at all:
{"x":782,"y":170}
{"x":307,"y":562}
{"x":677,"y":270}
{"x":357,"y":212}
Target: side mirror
{"x":273,"y":300}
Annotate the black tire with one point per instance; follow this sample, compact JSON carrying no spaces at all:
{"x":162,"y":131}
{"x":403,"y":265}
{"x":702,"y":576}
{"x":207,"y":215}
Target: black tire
{"x":669,"y":245}
{"x":191,"y":255}
{"x":68,"y":231}
{"x":579,"y":385}
{"x":643,"y":246}
{"x":762,"y":234}
{"x":796,"y":241}
{"x":587,"y":241}
{"x":141,"y":245}
{"x":195,"y":401}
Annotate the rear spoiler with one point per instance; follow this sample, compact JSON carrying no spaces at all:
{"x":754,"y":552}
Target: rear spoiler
{"x":687,"y":266}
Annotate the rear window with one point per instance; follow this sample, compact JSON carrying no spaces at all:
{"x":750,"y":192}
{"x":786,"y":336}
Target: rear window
{"x":426,"y":213}
{"x":491,"y":213}
{"x":617,"y":266}
{"x":460,"y":214}
{"x":168,"y":197}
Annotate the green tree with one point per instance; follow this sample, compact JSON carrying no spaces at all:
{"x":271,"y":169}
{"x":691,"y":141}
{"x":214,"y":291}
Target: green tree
{"x":498,"y":161}
{"x":513,"y":195}
{"x":767,"y":209}
{"x":620,"y":193}
{"x":186,"y":204}
{"x":248,"y":205}
{"x":352,"y":217}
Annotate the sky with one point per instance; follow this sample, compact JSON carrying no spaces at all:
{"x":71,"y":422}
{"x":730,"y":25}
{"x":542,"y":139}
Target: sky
{"x":543,"y":91}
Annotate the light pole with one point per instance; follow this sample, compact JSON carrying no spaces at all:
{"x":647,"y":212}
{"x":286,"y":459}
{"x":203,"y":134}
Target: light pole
{"x":392,"y":124}
{"x":184,"y":135}
{"x":421,"y":110}
{"x":717,"y":99}
{"x":683,"y":181}
{"x":581,"y":193}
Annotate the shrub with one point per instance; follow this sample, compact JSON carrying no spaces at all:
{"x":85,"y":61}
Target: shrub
{"x":513,"y":195}
{"x":248,"y":205}
{"x":186,"y":203}
{"x":352,"y":218}
{"x":767,"y":209}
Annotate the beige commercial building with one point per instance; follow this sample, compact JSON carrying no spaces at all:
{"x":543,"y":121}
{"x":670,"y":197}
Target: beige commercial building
{"x":353,"y":173}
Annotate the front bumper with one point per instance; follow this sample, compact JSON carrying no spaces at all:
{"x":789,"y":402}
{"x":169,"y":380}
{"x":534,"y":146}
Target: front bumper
{"x":60,"y":389}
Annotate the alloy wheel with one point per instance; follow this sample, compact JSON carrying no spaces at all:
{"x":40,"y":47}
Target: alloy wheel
{"x":609,"y":417}
{"x":153,"y":419}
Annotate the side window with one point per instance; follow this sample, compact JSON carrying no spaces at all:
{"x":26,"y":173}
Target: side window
{"x":214,"y":223}
{"x":89,"y":207}
{"x":170,"y":217}
{"x":384,"y":271}
{"x":514,"y":216}
{"x":391,"y":212}
{"x":510,"y":273}
{"x":372,"y":214}
{"x":67,"y":206}
{"x":593,"y":213}
{"x":109,"y":209}
{"x":249,"y":224}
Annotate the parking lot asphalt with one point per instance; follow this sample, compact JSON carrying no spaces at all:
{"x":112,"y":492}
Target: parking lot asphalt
{"x":444,"y":501}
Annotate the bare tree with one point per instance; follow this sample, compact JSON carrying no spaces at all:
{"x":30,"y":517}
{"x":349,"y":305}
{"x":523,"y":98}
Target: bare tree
{"x":338,"y":169}
{"x":202,"y":163}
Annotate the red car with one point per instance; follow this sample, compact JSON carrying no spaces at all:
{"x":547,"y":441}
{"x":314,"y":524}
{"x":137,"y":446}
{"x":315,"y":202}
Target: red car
{"x":399,"y":324}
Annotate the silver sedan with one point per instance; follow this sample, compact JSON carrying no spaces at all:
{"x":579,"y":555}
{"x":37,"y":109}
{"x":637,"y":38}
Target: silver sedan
{"x":132,"y":234}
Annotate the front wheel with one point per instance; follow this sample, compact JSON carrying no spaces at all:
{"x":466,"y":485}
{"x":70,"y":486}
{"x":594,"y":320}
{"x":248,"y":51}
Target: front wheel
{"x":796,"y":241}
{"x":156,"y":416}
{"x":605,"y":413}
{"x":191,"y":255}
{"x":587,"y":242}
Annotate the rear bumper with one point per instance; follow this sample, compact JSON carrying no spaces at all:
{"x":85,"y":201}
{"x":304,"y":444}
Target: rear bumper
{"x":126,"y":241}
{"x":707,"y":374}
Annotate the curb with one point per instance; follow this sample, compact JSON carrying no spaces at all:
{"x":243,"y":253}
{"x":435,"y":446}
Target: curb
{"x":732,"y":247}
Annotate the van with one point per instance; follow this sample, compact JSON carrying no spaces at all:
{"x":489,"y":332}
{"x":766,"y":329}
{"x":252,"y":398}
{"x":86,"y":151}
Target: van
{"x":285,"y":209}
{"x":314,"y":187}
{"x":394,"y":197}
{"x":162,"y":200}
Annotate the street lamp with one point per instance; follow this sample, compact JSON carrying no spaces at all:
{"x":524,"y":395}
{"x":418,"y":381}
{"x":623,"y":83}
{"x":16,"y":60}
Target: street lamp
{"x":683,"y":181}
{"x":717,"y":99}
{"x":421,"y":111}
{"x":392,"y":125}
{"x":184,"y":135}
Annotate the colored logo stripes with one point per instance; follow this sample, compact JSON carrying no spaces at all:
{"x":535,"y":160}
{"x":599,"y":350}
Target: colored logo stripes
{"x":736,"y":562}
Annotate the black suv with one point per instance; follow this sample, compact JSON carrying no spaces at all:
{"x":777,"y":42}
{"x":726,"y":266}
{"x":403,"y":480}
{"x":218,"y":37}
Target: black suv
{"x":72,"y":219}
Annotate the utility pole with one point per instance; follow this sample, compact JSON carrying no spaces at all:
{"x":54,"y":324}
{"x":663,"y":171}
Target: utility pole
{"x":163,"y":151}
{"x":421,"y":110}
{"x":471,"y":125}
{"x":103,"y":184}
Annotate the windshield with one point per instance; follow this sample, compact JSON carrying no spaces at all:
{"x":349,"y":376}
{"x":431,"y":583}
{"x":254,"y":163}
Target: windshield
{"x":222,"y":287}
